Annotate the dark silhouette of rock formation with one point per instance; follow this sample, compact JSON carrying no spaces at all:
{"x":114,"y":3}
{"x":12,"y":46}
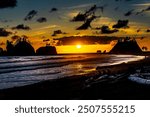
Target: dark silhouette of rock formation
{"x":1,"y":51}
{"x":47,"y":50}
{"x":21,"y":48}
{"x":10,"y":48}
{"x":24,"y":48}
{"x":126,"y":46}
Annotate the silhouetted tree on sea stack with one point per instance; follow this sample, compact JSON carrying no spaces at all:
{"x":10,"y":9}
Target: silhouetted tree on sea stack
{"x":10,"y":48}
{"x":23,"y":48}
{"x":1,"y":51}
{"x":144,"y":48}
{"x":126,"y":46}
{"x":47,"y":50}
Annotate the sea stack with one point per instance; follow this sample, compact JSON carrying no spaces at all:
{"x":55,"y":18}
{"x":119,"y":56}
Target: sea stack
{"x":24,"y":48}
{"x":126,"y":46}
{"x":47,"y":50}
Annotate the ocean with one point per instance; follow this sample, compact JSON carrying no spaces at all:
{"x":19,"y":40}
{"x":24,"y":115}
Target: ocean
{"x":19,"y":71}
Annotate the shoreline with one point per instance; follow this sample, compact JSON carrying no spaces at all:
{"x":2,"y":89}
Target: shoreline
{"x":93,"y":85}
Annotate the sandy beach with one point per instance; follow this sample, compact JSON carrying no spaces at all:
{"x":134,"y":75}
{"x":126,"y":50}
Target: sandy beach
{"x":109,"y":82}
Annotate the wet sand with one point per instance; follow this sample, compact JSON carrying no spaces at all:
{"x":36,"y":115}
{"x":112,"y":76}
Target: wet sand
{"x":94,"y":85}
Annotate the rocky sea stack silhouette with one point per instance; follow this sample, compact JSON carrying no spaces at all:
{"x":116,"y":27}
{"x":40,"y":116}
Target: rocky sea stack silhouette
{"x":126,"y":46}
{"x":1,"y":51}
{"x":21,"y":48}
{"x":47,"y":50}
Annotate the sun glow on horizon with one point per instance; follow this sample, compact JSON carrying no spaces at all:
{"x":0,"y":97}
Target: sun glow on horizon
{"x":78,"y":46}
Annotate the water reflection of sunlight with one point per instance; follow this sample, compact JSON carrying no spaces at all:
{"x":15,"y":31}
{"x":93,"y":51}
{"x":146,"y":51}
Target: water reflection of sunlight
{"x":79,"y":66}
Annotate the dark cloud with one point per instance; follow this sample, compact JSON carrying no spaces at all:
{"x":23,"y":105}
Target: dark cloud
{"x":148,"y":8}
{"x":107,"y":30}
{"x":53,"y":10}
{"x":4,"y":33}
{"x":143,"y":10}
{"x":58,"y":32}
{"x":121,"y":24}
{"x":30,"y":15}
{"x":42,"y":20}
{"x":21,"y":27}
{"x":138,"y":30}
{"x":92,"y":10}
{"x":84,"y":16}
{"x":80,"y":17}
{"x":148,"y":30}
{"x":86,"y":40}
{"x":8,"y":3}
{"x":46,"y":40}
{"x":129,"y":13}
{"x":87,"y":23}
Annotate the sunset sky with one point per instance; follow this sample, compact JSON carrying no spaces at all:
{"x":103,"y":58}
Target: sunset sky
{"x":39,"y":19}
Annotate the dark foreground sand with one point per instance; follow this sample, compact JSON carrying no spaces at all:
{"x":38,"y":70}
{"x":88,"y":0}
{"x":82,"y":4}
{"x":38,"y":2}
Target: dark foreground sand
{"x":89,"y":86}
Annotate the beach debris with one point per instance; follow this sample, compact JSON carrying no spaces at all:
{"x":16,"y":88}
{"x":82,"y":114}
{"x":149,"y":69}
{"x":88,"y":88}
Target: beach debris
{"x":141,"y":76}
{"x":139,"y":79}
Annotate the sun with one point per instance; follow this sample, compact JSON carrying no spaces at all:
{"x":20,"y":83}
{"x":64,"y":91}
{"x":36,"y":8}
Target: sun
{"x":78,"y":46}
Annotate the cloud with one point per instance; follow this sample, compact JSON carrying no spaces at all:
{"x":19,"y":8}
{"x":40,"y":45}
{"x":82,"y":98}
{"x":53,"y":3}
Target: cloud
{"x":84,"y":16}
{"x":87,"y":23}
{"x":103,"y":21}
{"x":30,"y":15}
{"x":46,"y":40}
{"x":80,"y":6}
{"x":4,"y":33}
{"x":86,"y":40}
{"x":143,"y":4}
{"x":79,"y":17}
{"x":121,"y":24}
{"x":107,"y":30}
{"x":8,"y":4}
{"x":48,"y":27}
{"x":42,"y":20}
{"x":21,"y":27}
{"x":58,"y":32}
{"x":129,"y":13}
{"x":53,"y":10}
{"x":148,"y":30}
{"x":143,"y":10}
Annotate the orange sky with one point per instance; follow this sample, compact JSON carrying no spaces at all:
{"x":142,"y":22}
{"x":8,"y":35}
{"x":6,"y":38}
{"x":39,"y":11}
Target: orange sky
{"x":60,"y":20}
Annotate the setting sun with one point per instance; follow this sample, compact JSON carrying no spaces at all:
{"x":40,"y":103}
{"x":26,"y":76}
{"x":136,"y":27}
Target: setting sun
{"x":78,"y":46}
